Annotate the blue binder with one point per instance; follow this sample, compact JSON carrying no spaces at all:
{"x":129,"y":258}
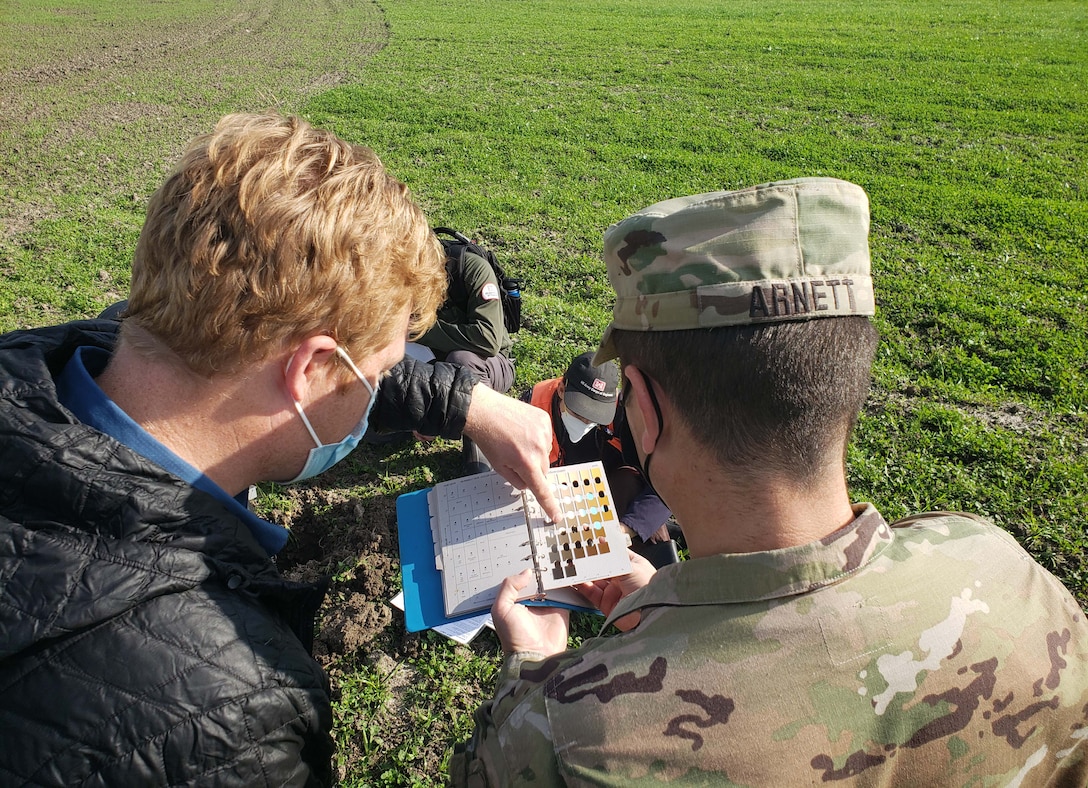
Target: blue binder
{"x":423,"y":603}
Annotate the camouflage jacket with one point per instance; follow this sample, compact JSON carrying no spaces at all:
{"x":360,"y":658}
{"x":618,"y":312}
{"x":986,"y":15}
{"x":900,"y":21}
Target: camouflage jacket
{"x":934,"y":652}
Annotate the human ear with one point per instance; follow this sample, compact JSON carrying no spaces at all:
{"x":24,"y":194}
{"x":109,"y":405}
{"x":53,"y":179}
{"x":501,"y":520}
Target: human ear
{"x":307,"y":365}
{"x":638,"y":396}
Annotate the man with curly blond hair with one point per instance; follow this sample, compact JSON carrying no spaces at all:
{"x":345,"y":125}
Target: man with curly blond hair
{"x":148,"y":638}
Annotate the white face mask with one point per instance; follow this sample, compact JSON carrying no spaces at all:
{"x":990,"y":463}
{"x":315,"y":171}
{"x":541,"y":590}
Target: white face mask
{"x":575,"y":427}
{"x":326,"y":455}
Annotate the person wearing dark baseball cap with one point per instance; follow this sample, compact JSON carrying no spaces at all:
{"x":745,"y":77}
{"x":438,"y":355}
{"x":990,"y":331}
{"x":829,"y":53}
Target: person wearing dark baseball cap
{"x":579,"y":402}
{"x":587,"y":426}
{"x":806,"y":639}
{"x":590,"y":392}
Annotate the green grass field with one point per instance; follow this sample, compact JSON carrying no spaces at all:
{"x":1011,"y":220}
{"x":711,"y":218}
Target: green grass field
{"x":533,"y":127}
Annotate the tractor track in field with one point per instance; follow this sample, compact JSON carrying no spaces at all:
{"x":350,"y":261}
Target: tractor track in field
{"x":68,"y":105}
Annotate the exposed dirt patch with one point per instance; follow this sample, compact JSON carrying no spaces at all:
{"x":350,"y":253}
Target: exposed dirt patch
{"x":347,"y":534}
{"x":334,"y":534}
{"x":1012,"y":416}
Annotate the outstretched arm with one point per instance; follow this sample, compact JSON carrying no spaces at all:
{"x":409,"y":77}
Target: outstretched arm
{"x":516,"y":439}
{"x":432,"y":399}
{"x":447,"y":400}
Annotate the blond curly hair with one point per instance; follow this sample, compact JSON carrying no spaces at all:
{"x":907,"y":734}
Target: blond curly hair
{"x":271,"y":230}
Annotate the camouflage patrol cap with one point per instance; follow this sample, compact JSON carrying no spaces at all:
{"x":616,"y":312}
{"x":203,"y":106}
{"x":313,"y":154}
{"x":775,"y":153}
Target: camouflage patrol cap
{"x":789,"y":250}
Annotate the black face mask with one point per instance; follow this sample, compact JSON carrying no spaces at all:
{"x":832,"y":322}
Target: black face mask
{"x":627,"y":440}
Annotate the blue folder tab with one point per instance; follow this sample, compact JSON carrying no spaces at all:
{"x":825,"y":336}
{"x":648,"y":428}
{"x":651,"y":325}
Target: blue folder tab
{"x":423,"y":607}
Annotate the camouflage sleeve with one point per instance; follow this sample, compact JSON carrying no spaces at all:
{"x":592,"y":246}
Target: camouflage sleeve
{"x":476,"y":325}
{"x":482,"y":761}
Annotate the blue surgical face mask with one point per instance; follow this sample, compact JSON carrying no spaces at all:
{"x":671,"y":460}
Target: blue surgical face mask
{"x":326,"y":455}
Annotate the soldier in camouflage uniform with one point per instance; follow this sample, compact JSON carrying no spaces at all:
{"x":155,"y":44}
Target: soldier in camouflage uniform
{"x":807,"y":640}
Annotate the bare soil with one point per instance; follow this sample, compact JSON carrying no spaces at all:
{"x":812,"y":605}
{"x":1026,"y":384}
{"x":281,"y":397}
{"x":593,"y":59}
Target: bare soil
{"x":347,"y":535}
{"x":353,"y":541}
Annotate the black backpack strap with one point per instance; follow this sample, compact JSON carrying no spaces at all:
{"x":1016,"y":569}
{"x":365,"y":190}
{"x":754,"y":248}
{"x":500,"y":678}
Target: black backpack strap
{"x":455,"y":248}
{"x":447,"y":231}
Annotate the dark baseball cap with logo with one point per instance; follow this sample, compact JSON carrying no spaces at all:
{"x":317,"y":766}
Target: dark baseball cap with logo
{"x":590,"y":390}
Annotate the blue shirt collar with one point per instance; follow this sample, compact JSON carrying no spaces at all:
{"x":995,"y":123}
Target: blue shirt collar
{"x":78,"y":392}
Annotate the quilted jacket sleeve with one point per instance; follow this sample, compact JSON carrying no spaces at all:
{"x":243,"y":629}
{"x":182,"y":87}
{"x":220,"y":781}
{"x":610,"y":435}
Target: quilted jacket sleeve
{"x":432,"y":399}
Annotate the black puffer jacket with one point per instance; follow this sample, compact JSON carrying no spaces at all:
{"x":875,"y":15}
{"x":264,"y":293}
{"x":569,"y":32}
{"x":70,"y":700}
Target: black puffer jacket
{"x":432,"y":399}
{"x":145,"y":637}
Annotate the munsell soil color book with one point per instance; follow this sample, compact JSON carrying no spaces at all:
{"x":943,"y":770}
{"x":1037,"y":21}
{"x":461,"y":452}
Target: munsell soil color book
{"x":460,"y":538}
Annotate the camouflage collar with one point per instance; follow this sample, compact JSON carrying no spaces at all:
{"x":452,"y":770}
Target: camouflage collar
{"x":773,"y":574}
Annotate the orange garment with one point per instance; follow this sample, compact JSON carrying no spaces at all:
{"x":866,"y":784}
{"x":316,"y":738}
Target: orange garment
{"x":542,"y":396}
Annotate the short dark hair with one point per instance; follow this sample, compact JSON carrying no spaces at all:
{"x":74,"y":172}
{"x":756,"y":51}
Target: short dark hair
{"x":778,"y":396}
